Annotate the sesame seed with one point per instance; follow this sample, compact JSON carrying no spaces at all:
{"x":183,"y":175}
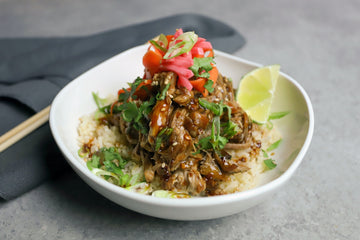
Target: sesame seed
{"x":163,"y":165}
{"x":175,"y":143}
{"x":163,"y":109}
{"x":187,"y":137}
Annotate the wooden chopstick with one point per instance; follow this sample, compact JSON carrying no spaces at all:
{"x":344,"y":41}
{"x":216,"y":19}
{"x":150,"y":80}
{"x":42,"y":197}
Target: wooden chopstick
{"x":24,"y":128}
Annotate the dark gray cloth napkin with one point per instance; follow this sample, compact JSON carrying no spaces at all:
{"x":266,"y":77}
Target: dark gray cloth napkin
{"x":33,"y":70}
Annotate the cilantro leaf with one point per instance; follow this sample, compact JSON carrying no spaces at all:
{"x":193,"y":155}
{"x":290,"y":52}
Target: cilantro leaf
{"x":209,"y":86}
{"x":94,"y":162}
{"x":109,"y":158}
{"x":205,"y":143}
{"x":230,"y":129}
{"x":215,"y":140}
{"x":112,"y":160}
{"x":146,"y":107}
{"x":270,"y":164}
{"x":137,"y":116}
{"x":127,"y":94}
{"x":216,"y":108}
{"x":202,"y":66}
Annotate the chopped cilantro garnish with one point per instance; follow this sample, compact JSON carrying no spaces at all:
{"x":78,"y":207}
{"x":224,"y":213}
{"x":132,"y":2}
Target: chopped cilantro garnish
{"x":209,"y":86}
{"x":124,"y":180}
{"x":110,"y":158}
{"x":131,"y":112}
{"x":109,"y":164}
{"x":278,"y":115}
{"x":202,"y":66}
{"x":123,"y":97}
{"x":275,"y":115}
{"x":230,"y":129}
{"x":270,"y":164}
{"x":162,"y":136}
{"x":265,"y":153}
{"x":216,"y":108}
{"x":215,"y":140}
{"x":146,"y":107}
{"x":274,"y":145}
{"x":111,"y":154}
{"x":93,"y":162}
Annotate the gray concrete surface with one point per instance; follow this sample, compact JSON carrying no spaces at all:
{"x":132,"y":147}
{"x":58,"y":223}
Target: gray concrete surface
{"x":317,"y":42}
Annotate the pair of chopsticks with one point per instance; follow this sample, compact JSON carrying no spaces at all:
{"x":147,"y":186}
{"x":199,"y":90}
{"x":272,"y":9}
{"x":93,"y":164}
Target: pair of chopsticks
{"x":24,"y":128}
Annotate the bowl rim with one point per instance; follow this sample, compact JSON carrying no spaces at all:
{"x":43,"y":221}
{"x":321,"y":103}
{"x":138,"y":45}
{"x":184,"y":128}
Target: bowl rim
{"x":187,"y":202}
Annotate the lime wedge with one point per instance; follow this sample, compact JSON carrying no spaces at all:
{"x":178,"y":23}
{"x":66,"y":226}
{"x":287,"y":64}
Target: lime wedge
{"x":256,"y":92}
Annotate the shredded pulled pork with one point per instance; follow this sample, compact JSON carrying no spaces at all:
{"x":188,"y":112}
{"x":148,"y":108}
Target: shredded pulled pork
{"x":176,"y":160}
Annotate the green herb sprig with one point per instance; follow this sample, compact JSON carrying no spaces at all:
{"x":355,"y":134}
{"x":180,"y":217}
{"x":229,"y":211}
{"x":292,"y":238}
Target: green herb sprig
{"x":274,"y":116}
{"x":131,"y":112}
{"x":209,"y":85}
{"x":270,"y":163}
{"x":163,"y":135}
{"x":217,"y":140}
{"x":202,"y":66}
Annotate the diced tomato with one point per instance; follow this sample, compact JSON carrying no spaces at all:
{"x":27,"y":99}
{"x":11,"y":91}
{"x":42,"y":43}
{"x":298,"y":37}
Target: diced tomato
{"x":214,"y":73}
{"x":152,"y":59}
{"x":199,"y":83}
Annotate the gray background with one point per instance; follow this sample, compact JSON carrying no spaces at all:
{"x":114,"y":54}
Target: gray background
{"x":316,"y":42}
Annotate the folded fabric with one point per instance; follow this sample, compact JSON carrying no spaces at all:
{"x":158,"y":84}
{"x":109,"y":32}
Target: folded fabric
{"x":33,"y":70}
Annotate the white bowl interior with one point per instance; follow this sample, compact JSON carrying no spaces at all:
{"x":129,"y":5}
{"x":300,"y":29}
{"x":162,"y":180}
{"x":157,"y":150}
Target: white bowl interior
{"x":75,"y":100}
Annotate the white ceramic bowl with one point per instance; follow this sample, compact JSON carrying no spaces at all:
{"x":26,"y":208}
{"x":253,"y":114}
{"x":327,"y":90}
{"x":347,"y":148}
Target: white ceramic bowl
{"x":75,"y":100}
